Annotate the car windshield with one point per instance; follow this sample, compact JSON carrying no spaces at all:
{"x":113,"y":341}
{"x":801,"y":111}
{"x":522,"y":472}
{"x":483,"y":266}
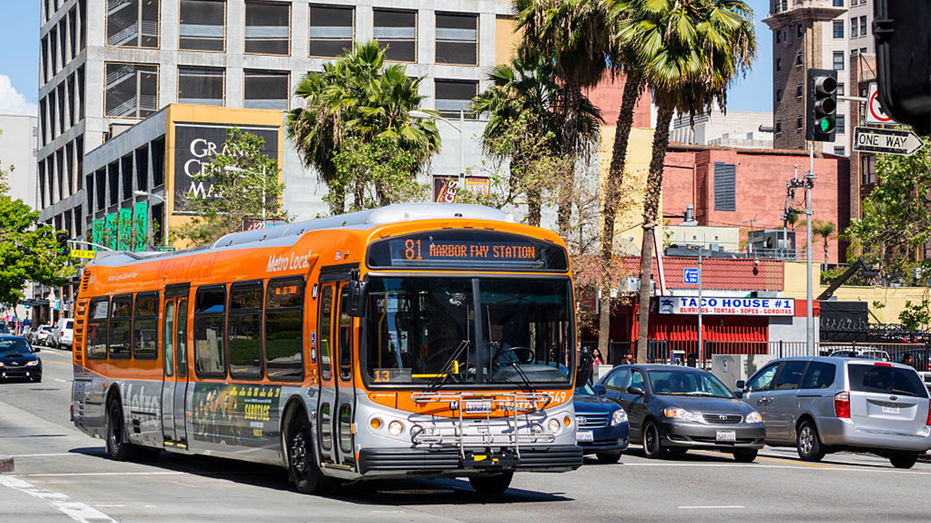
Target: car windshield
{"x":427,"y":331}
{"x":14,"y":346}
{"x":584,"y":390}
{"x":687,"y":383}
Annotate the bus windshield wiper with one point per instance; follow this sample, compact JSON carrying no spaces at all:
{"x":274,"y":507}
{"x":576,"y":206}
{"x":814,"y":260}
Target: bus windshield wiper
{"x":440,"y":378}
{"x":528,"y":385}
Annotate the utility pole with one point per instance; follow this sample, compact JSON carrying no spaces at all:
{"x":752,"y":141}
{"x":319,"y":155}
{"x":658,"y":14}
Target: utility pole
{"x":807,"y":182}
{"x":701,"y":344}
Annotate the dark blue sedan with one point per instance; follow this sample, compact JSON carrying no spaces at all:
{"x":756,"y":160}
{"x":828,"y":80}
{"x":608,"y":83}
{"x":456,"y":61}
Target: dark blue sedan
{"x":18,"y":359}
{"x":601,"y":425}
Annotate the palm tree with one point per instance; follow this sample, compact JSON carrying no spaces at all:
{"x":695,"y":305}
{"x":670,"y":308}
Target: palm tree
{"x":690,"y":50}
{"x":522,"y":109}
{"x":827,"y":231}
{"x":573,"y":34}
{"x":357,"y":96}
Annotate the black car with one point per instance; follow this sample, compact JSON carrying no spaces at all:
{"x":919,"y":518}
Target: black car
{"x":672,"y":409}
{"x":602,"y":425}
{"x":18,"y":359}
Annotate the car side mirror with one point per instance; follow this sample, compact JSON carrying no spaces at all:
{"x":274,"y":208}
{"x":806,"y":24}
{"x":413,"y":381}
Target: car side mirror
{"x":740,"y":384}
{"x":600,"y":390}
{"x":739,"y":393}
{"x":635,"y":390}
{"x":36,"y":349}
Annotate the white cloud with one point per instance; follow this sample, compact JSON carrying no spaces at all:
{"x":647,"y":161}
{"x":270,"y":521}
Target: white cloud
{"x":12,"y":102}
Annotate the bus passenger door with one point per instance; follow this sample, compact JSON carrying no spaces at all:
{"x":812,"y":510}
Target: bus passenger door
{"x":169,"y":384}
{"x":181,"y":375}
{"x":327,"y":397}
{"x":345,"y":389}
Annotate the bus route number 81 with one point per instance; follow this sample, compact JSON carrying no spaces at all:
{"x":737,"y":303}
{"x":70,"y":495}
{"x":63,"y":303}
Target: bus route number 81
{"x":412,"y":250}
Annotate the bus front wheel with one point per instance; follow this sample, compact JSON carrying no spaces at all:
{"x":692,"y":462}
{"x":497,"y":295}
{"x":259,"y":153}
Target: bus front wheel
{"x":118,"y":446}
{"x":301,"y":463}
{"x":495,"y":484}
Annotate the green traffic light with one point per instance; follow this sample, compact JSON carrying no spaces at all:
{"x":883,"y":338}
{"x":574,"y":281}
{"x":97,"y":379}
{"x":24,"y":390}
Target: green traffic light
{"x":826,"y":124}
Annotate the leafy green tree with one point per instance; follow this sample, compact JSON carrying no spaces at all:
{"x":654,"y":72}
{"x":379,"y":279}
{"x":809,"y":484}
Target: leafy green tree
{"x":244,"y":186}
{"x":916,"y":316}
{"x":355,"y":100}
{"x":379,"y":171}
{"x":29,"y":250}
{"x":525,"y":127}
{"x":689,"y":51}
{"x":574,"y":36}
{"x":896,"y":215}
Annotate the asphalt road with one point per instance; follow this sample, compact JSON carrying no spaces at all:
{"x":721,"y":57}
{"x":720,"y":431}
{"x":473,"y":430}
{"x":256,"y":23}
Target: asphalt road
{"x":62,"y":475}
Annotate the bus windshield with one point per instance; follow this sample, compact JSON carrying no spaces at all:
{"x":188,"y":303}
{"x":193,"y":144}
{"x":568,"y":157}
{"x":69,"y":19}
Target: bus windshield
{"x":508,"y":332}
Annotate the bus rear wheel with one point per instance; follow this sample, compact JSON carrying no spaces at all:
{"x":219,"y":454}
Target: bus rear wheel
{"x":495,"y":484}
{"x":301,"y":463}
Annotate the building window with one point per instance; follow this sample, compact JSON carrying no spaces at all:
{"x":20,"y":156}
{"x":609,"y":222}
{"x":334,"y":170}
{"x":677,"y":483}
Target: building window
{"x":201,"y":86}
{"x":132,"y":90}
{"x":203,"y":25}
{"x":841,"y":125}
{"x":838,"y":28}
{"x":778,"y":36}
{"x":839,"y":60}
{"x":840,"y":89}
{"x":132,"y":23}
{"x":798,"y":91}
{"x":455,"y":96}
{"x":778,"y":95}
{"x":839,"y":3}
{"x":398,"y":31}
{"x":799,"y":31}
{"x":853,"y":27}
{"x":798,"y":59}
{"x":779,"y":64}
{"x":867,"y":169}
{"x":268,"y":28}
{"x":265,"y":90}
{"x":798,"y":122}
{"x":725,"y":186}
{"x":840,"y":150}
{"x":456,"y":39}
{"x":863,"y":26}
{"x":331,"y":30}
{"x":779,"y":127}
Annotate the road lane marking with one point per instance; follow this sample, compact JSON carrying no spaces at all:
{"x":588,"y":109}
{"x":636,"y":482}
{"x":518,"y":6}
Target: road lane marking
{"x":67,"y":474}
{"x":63,"y":381}
{"x":792,"y":466}
{"x":75,"y":510}
{"x":48,"y":455}
{"x":789,"y":461}
{"x":684,"y":507}
{"x":60,"y":363}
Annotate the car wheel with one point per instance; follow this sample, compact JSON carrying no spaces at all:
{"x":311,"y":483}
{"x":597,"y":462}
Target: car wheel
{"x":745,"y":455}
{"x":903,"y":460}
{"x":118,"y":446}
{"x":652,"y":446}
{"x":807,"y":442}
{"x":495,"y":484}
{"x":607,"y":458}
{"x":301,"y":463}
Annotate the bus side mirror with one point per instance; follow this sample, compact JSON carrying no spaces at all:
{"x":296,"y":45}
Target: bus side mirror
{"x":357,"y":298}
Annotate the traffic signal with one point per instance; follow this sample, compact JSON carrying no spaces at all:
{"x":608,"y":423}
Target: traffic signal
{"x":903,"y":63}
{"x":822,"y":105}
{"x":62,"y":238}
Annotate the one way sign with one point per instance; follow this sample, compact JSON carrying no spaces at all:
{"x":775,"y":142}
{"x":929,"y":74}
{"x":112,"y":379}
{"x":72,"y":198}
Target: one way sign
{"x":885,"y":141}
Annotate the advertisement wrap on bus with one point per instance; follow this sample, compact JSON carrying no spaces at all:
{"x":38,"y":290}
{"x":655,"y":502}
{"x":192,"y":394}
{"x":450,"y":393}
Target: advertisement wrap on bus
{"x":415,"y":340}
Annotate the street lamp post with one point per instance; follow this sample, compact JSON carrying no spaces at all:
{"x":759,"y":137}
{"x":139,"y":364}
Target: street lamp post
{"x":162,"y":198}
{"x":420,"y":115}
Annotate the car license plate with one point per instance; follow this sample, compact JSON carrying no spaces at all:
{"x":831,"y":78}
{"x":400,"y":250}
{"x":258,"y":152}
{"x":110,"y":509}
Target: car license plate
{"x":890,"y":409}
{"x":478,"y":407}
{"x":726,"y":435}
{"x":584,"y":435}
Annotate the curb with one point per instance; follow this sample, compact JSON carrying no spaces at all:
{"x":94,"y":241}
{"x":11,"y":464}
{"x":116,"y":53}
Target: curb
{"x":6,"y":464}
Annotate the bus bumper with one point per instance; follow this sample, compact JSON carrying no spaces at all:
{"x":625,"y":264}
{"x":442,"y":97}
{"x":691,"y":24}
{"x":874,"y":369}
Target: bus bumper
{"x":448,"y":461}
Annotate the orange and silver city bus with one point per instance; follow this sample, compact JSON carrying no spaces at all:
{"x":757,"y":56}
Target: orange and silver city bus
{"x":429,"y":340}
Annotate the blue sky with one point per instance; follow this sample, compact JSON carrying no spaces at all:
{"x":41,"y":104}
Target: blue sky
{"x":19,"y":61}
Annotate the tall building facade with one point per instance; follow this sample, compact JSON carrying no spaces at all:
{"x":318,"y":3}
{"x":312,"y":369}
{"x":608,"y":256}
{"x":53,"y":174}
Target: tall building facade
{"x":107,"y":64}
{"x":826,"y":34}
{"x":18,"y":150}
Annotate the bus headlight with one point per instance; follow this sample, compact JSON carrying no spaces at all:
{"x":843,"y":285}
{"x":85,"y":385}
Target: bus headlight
{"x":536,"y":428}
{"x":395,"y":428}
{"x":553,"y":425}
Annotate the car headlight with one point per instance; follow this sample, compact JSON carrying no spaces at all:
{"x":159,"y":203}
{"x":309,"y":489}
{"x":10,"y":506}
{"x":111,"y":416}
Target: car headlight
{"x":682,"y":414}
{"x":754,"y":417}
{"x":553,"y":425}
{"x":618,"y":417}
{"x":32,"y":363}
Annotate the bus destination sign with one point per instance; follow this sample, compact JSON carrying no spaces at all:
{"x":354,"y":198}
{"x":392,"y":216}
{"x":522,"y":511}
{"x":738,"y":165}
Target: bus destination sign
{"x":468,"y":249}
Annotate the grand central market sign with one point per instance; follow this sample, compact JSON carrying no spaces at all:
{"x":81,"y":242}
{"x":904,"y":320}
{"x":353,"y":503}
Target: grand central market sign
{"x":729,"y":306}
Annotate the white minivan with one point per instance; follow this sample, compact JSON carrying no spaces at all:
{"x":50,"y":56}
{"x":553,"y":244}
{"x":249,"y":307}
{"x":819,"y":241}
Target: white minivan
{"x":63,"y":334}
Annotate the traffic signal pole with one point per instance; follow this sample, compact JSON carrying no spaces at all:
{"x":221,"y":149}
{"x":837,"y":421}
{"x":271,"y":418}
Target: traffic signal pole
{"x":809,"y":300}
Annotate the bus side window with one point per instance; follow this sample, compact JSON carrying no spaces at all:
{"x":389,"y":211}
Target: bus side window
{"x":325,"y":323}
{"x":209,"y":327}
{"x":284,"y":329}
{"x":182,"y":338}
{"x":145,"y":326}
{"x":345,"y":335}
{"x":121,"y":325}
{"x":97,"y":328}
{"x":245,"y":330}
